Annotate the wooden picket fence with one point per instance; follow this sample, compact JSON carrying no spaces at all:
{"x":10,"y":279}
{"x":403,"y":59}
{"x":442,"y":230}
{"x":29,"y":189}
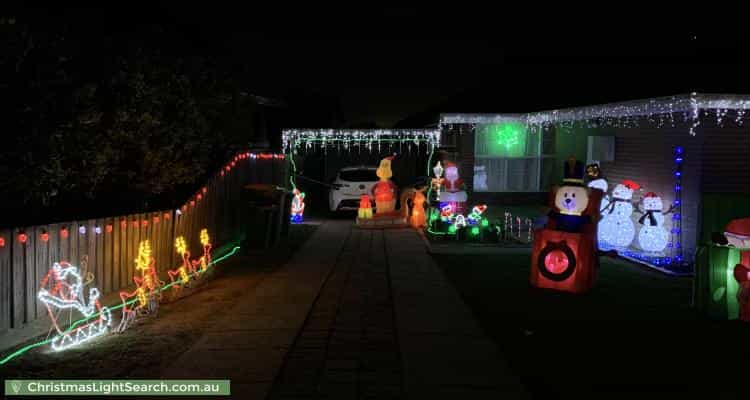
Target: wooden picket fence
{"x":107,"y":247}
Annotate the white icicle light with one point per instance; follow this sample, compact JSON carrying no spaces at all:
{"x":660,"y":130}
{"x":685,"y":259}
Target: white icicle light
{"x":293,"y":138}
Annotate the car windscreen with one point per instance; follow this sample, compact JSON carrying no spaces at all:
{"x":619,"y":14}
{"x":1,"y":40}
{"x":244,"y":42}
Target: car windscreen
{"x":358,"y":175}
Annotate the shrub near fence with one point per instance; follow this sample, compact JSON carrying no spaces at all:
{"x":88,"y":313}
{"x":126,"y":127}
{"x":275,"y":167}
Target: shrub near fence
{"x":107,"y":247}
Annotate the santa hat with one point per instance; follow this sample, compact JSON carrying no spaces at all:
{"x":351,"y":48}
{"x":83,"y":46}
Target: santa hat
{"x":630,"y":184}
{"x":449,"y":164}
{"x":650,"y":194}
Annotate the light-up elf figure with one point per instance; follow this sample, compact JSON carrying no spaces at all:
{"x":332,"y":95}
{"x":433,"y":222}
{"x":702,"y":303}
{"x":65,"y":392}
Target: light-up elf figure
{"x":147,"y":293}
{"x":298,"y":206}
{"x":62,"y":289}
{"x":385,"y":190}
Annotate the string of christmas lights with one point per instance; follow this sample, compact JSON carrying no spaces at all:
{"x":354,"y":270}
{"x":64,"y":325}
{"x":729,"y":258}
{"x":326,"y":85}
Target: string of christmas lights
{"x":293,"y":138}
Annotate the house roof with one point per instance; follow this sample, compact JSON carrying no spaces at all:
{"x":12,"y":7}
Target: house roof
{"x":690,"y":104}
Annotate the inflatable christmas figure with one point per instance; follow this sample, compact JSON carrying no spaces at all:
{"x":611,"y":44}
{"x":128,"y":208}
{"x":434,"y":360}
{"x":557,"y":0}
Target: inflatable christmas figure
{"x":737,"y":234}
{"x":597,"y":181}
{"x":480,"y":178}
{"x":365,"y":207}
{"x":62,"y":289}
{"x":298,"y":206}
{"x":417,"y":218}
{"x":653,"y":236}
{"x":564,"y":255}
{"x":385,"y":191}
{"x":616,"y":227}
{"x":453,"y":186}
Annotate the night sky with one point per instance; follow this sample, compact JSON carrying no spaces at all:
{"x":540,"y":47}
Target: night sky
{"x":385,"y":64}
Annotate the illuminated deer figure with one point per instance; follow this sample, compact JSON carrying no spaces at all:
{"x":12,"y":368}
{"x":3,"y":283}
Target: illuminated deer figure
{"x":205,"y":260}
{"x":148,"y":289}
{"x":62,"y":288}
{"x":186,"y":268}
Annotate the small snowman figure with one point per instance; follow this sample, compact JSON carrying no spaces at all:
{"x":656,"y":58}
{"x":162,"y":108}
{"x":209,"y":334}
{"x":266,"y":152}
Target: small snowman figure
{"x":652,"y":236}
{"x":616,"y":227}
{"x":480,"y":178}
{"x":597,"y":181}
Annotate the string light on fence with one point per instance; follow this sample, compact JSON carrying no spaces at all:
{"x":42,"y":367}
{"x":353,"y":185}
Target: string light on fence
{"x":166,"y":216}
{"x":108,"y":228}
{"x":98,"y":230}
{"x":64,"y":233}
{"x":22,"y":238}
{"x":123,"y":223}
{"x":44,"y":236}
{"x":2,"y":242}
{"x":156,"y":219}
{"x":82,"y":229}
{"x":144,"y":223}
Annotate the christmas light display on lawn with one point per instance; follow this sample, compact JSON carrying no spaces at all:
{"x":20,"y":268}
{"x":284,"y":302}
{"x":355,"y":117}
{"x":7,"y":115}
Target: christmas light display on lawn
{"x":62,"y":289}
{"x":147,"y":292}
{"x":385,"y":190}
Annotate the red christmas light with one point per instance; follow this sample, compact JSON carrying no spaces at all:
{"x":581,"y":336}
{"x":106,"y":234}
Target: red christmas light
{"x":228,"y":168}
{"x":22,"y":237}
{"x":234,"y":163}
{"x":184,"y":208}
{"x":64,"y":232}
{"x":265,"y":156}
{"x":199,"y":197}
{"x":2,"y":242}
{"x":123,"y":223}
{"x":144,"y":223}
{"x":192,"y":203}
{"x":222,"y":172}
{"x":135,"y":223}
{"x":166,"y":216}
{"x":108,"y":228}
{"x":204,"y":190}
{"x":44,"y":236}
{"x":156,"y":219}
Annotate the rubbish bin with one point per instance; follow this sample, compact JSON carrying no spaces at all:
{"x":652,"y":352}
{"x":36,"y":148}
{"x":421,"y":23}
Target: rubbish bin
{"x":266,"y":218}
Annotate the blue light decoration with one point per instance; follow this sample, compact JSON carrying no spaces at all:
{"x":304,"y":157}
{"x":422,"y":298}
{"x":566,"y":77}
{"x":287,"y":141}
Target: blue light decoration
{"x":675,"y":244}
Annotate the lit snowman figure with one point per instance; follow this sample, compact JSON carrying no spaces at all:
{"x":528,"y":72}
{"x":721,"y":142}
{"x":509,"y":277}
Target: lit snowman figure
{"x":480,"y":178}
{"x":653,"y":236}
{"x":616,"y":227}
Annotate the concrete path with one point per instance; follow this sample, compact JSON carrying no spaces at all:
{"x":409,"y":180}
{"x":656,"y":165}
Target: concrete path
{"x":354,"y":314}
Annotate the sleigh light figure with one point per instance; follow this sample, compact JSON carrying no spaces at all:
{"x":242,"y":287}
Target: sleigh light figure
{"x":62,"y":289}
{"x":147,"y":294}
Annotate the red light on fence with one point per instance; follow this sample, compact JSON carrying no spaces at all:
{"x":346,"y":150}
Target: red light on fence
{"x":2,"y":242}
{"x":228,"y":168}
{"x":22,"y":238}
{"x":265,"y":156}
{"x":184,"y":208}
{"x":44,"y":236}
{"x":234,"y":163}
{"x":135,"y":223}
{"x":108,"y":228}
{"x":222,"y":172}
{"x":199,"y":197}
{"x":192,"y":203}
{"x":64,"y":232}
{"x":144,"y":223}
{"x":156,"y":219}
{"x":204,"y":190}
{"x":166,"y":216}
{"x":123,"y":223}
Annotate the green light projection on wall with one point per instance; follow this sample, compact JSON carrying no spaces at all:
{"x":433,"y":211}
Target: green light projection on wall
{"x":505,"y":139}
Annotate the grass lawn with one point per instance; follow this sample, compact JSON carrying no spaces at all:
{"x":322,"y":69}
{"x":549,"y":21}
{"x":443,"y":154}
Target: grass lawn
{"x":634,"y":335}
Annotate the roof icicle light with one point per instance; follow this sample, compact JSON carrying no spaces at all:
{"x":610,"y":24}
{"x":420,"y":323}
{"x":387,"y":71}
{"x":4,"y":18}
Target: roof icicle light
{"x":294,"y":138}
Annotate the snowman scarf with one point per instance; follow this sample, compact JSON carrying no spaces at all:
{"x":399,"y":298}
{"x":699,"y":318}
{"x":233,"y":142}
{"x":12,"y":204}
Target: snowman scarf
{"x":611,"y":206}
{"x":650,"y":216}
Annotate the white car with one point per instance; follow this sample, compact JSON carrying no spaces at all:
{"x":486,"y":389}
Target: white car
{"x":349,"y":185}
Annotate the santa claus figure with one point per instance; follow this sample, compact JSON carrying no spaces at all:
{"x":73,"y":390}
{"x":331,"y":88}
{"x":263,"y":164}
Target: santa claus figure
{"x":453,"y":186}
{"x":385,"y":191}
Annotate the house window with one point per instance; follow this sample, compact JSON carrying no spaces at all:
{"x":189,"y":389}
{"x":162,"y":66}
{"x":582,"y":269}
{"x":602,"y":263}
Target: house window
{"x":509,"y":157}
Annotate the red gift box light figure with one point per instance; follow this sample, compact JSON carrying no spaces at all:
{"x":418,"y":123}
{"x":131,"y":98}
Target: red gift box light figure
{"x":564,"y":255}
{"x":385,"y":190}
{"x":737,"y":234}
